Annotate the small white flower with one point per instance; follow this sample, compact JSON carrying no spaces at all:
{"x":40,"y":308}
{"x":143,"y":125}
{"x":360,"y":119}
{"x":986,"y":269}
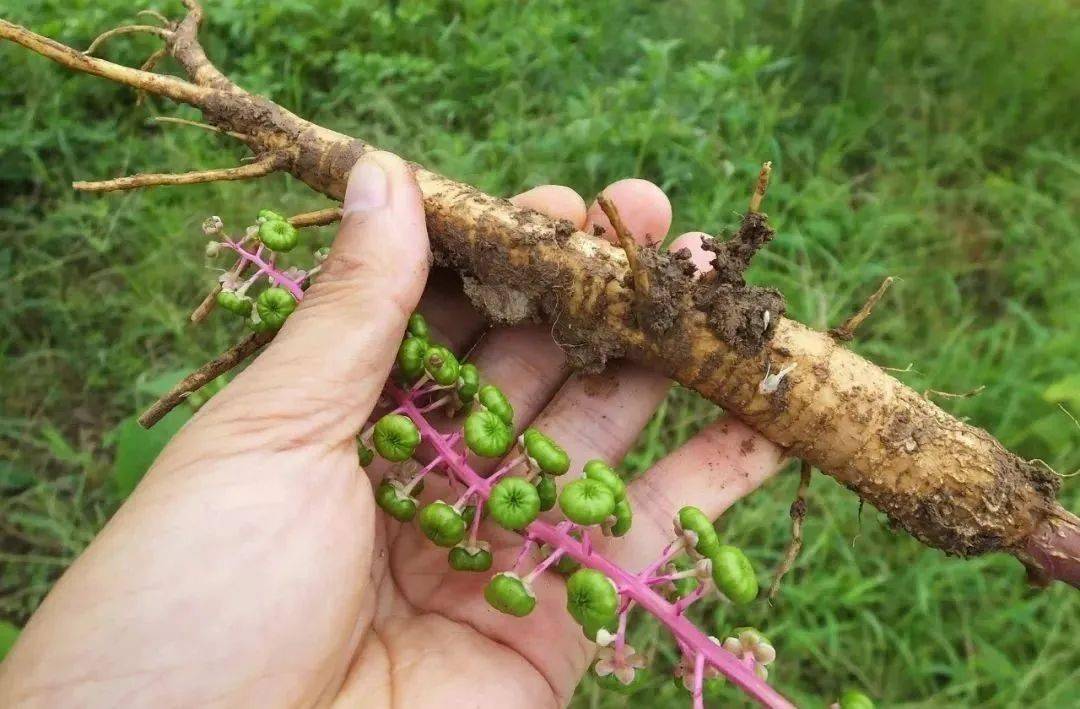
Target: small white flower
{"x":752,"y":644}
{"x":214,"y":248}
{"x":623,"y":665}
{"x":229,"y":281}
{"x":604,"y":638}
{"x":212,"y":225}
{"x":251,"y":232}
{"x":295,"y":274}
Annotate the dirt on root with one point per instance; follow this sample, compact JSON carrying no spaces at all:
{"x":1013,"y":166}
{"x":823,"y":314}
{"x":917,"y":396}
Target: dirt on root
{"x":742,"y":315}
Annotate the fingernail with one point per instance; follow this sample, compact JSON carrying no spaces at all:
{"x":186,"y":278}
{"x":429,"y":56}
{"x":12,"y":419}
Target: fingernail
{"x":368,"y":187}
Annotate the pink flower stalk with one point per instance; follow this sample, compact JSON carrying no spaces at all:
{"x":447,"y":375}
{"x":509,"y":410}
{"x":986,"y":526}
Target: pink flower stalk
{"x":705,"y":654}
{"x":265,"y":268}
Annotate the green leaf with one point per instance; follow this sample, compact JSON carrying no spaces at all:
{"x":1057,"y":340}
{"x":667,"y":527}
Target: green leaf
{"x":137,"y":447}
{"x":9,"y":632}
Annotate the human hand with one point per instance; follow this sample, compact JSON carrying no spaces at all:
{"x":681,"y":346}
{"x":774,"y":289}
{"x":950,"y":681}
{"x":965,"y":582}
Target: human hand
{"x":251,"y":565}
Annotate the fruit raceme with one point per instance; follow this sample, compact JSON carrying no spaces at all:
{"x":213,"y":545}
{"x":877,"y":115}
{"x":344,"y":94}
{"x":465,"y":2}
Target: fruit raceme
{"x":600,"y":594}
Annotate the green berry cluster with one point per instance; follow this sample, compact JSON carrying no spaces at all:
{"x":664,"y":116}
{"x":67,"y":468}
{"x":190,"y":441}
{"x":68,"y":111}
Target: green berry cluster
{"x":268,"y":311}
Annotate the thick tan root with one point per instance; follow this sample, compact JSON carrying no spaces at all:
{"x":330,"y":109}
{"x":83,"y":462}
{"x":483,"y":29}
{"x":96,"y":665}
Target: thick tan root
{"x":951,"y":485}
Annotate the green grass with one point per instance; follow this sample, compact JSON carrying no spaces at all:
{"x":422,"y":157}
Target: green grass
{"x":936,"y":142}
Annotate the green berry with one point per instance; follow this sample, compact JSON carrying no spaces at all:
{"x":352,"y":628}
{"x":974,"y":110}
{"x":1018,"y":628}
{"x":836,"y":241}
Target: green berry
{"x":587,"y":502}
{"x":463,"y":558}
{"x":365,"y":454}
{"x":397,"y":504}
{"x":513,"y":503}
{"x":551,"y":458}
{"x":591,"y":598}
{"x":854,"y":699}
{"x":602,"y":472}
{"x":270,"y":216}
{"x":487,"y":435}
{"x":418,"y":327}
{"x":442,"y":365}
{"x":624,"y":517}
{"x":468,"y":382}
{"x":234,"y":302}
{"x":506,"y":592}
{"x":694,"y":520}
{"x":442,"y":524}
{"x":396,"y":437}
{"x":492,"y":399}
{"x":274,"y":305}
{"x":566,"y":565}
{"x":410,"y":358}
{"x":545,"y":488}
{"x":734,"y":574}
{"x":278,"y":235}
{"x":257,"y":324}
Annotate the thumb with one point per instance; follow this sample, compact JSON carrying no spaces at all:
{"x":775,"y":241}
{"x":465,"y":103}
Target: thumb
{"x":331,"y":358}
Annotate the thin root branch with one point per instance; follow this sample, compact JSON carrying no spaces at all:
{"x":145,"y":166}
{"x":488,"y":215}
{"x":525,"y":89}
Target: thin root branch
{"x":1046,"y":465}
{"x":196,"y":124}
{"x":846,"y":332}
{"x":259,"y":168}
{"x":207,"y":305}
{"x":126,"y":29}
{"x":798,"y":515}
{"x":761,"y":187}
{"x":952,"y":395}
{"x":149,"y":65}
{"x":321,"y":217}
{"x":205,"y":374}
{"x":156,"y":15}
{"x":626,"y":240}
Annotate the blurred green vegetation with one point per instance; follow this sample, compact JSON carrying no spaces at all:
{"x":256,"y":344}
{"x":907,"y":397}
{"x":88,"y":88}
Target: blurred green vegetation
{"x":936,"y":142}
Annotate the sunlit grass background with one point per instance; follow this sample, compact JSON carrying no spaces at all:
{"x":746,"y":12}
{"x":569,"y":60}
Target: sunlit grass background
{"x":937,"y":142}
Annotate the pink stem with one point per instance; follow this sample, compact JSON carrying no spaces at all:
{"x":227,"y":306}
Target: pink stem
{"x":686,"y":601}
{"x":552,"y":558}
{"x":699,"y":681}
{"x":671,"y":551}
{"x":508,"y":467}
{"x":525,"y":548}
{"x":420,"y":476}
{"x":475,"y":525}
{"x":271,"y":272}
{"x":620,"y":634}
{"x":630,"y":584}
